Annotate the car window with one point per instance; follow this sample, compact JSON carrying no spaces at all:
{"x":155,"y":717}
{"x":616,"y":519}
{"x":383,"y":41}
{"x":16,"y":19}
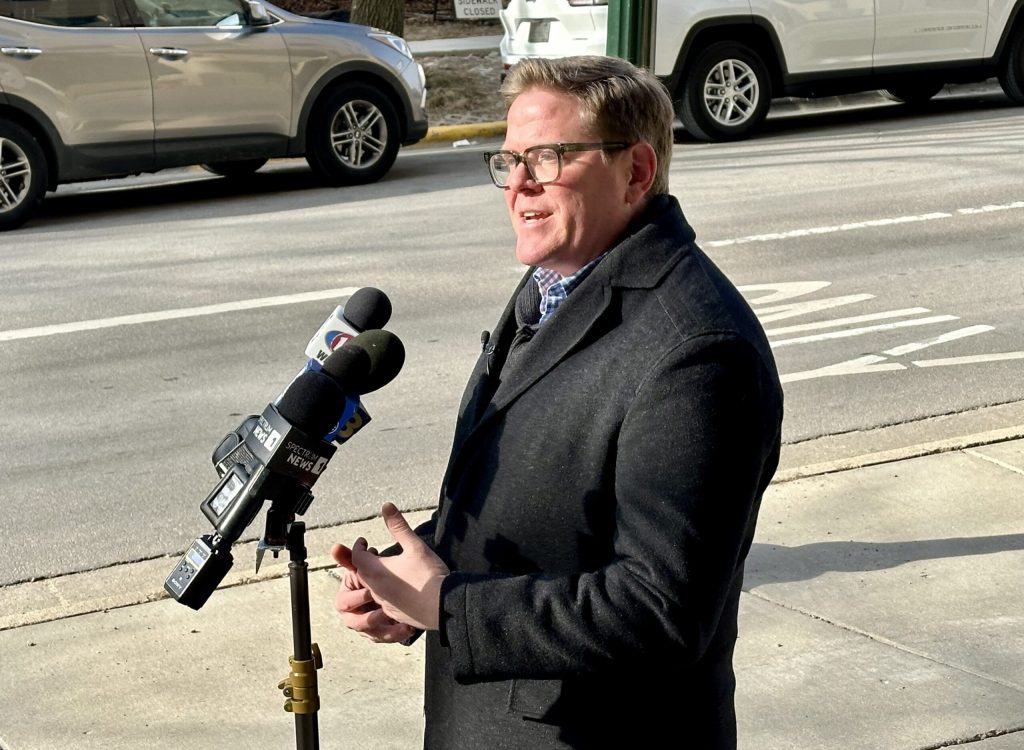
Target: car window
{"x":190,"y":12}
{"x":62,"y":12}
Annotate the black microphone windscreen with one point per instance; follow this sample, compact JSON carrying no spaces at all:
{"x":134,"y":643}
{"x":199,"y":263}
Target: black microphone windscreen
{"x":368,"y":308}
{"x":314,"y":403}
{"x":387,"y":355}
{"x":350,"y":366}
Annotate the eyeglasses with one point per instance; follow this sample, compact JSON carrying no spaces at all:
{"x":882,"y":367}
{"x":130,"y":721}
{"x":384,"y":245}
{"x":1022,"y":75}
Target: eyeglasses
{"x":543,"y":162}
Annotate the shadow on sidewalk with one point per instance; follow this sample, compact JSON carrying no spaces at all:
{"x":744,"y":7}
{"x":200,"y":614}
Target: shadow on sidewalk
{"x":773,"y":563}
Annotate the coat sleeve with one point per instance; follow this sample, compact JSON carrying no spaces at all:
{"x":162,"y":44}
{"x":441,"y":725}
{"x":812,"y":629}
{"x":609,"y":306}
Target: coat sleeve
{"x":696,"y":448}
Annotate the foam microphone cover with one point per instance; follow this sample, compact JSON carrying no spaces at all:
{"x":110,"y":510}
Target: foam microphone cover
{"x":350,"y":366}
{"x":314,"y":403}
{"x":368,"y":308}
{"x":386,"y":353}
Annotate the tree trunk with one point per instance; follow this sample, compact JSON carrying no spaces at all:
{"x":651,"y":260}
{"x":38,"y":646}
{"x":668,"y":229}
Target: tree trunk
{"x":382,"y":14}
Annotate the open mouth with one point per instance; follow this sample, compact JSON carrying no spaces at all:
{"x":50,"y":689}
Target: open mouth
{"x":531,"y":217}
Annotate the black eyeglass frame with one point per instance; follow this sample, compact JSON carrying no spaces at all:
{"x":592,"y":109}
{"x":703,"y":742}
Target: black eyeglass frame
{"x":559,"y":148}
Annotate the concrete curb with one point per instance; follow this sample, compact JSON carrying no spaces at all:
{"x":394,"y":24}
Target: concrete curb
{"x":141,"y":582}
{"x":900,"y":454}
{"x":451,"y":133}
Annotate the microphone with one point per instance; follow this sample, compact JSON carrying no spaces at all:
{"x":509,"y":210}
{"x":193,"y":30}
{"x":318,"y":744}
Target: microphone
{"x":382,"y":354}
{"x":366,"y":309}
{"x":279,"y":458}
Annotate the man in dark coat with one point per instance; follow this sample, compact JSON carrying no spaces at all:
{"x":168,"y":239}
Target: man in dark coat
{"x":580,"y":580}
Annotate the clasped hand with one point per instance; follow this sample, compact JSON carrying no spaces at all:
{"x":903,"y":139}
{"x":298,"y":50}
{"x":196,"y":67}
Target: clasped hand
{"x":386,"y":599}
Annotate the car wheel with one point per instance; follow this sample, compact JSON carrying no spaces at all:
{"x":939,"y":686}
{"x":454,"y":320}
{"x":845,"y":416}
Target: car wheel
{"x":1011,"y":77}
{"x":353,"y":135}
{"x":22,"y":175}
{"x":240,"y":168}
{"x":914,"y":94}
{"x":726,"y":93}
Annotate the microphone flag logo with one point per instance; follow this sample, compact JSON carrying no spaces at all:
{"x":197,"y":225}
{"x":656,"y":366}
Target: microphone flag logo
{"x":334,"y":339}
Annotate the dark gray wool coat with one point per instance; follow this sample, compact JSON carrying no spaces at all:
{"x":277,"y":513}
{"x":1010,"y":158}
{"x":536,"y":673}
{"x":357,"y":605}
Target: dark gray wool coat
{"x":598,"y":505}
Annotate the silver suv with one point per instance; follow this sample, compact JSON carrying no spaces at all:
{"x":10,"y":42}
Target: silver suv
{"x":103,"y":88}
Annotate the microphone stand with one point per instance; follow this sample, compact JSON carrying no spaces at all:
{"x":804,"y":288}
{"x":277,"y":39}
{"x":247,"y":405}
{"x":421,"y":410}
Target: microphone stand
{"x":300,"y":686}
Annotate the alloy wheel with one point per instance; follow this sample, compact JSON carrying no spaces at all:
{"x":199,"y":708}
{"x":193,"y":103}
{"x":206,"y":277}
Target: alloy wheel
{"x":731,"y":92}
{"x":15,"y":175}
{"x":359,"y":134}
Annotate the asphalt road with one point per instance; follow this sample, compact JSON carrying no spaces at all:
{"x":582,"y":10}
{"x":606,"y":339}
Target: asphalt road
{"x":141,"y":319}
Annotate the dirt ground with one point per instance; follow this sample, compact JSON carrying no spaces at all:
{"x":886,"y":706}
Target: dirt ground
{"x":460,"y":88}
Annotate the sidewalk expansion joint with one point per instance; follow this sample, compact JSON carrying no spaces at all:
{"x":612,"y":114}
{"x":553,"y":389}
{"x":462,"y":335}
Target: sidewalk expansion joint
{"x":882,"y":640}
{"x":996,"y":461}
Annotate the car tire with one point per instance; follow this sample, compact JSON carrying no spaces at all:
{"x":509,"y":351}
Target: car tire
{"x":1011,"y":77}
{"x":235,"y":169}
{"x":726,"y":93}
{"x":914,"y":95}
{"x":353,"y":135}
{"x":23,"y":175}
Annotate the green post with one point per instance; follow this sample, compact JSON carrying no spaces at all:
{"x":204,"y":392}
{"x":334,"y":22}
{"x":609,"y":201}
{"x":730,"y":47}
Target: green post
{"x":629,"y":30}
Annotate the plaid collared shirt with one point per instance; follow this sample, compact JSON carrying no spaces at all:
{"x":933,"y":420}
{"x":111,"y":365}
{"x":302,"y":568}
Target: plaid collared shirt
{"x":555,"y":288}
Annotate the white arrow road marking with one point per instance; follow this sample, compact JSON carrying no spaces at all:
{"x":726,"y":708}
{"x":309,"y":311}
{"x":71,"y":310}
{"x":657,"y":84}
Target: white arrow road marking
{"x":872,"y":363}
{"x":960,"y":333}
{"x":859,"y":366}
{"x":846,"y":321}
{"x":969,"y":360}
{"x":861,"y":331}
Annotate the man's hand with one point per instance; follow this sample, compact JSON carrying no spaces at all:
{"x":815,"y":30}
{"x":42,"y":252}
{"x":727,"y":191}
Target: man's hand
{"x":407,"y":586}
{"x":356,"y":606}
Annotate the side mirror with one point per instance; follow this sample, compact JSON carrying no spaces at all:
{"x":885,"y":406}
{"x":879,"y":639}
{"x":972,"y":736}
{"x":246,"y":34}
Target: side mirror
{"x":258,"y":15}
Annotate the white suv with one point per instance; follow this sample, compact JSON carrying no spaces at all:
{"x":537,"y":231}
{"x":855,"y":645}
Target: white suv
{"x":724,"y":60}
{"x":552,"y":28}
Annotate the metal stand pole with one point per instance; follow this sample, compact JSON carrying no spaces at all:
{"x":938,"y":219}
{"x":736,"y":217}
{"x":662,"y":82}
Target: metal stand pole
{"x":300,"y":686}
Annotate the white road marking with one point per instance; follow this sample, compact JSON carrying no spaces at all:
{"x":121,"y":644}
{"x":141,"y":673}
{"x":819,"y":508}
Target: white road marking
{"x":811,"y":231}
{"x":990,"y":209}
{"x":872,"y":363}
{"x":970,"y":360}
{"x":184,"y":312}
{"x":861,"y":331}
{"x":781,"y":290}
{"x":860,"y":365}
{"x":846,"y":321}
{"x":793,"y":309}
{"x":960,"y":333}
{"x":868,"y":224}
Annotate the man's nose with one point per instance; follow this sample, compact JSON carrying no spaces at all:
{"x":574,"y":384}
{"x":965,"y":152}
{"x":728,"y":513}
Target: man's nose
{"x":520,"y":179}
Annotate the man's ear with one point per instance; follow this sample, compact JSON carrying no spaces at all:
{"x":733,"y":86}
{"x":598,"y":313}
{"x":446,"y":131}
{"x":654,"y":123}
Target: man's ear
{"x":643,"y":165}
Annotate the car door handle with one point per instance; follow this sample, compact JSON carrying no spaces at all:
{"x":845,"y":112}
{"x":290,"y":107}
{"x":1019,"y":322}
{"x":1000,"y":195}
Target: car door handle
{"x":20,"y":51}
{"x":171,"y":53}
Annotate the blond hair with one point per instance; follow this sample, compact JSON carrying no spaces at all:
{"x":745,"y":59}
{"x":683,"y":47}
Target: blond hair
{"x":617,"y":100}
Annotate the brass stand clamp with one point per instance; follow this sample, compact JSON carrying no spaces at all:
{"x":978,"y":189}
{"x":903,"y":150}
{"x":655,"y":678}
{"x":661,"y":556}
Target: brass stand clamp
{"x":300,"y":686}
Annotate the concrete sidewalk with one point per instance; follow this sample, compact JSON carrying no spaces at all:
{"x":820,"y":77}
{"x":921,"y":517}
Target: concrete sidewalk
{"x":883,"y":610}
{"x":465,"y":45}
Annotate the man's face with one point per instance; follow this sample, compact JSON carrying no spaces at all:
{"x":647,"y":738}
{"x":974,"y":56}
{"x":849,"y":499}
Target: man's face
{"x":565,"y":224}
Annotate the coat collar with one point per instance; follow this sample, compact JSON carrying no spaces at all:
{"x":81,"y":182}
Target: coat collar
{"x":649,"y":248}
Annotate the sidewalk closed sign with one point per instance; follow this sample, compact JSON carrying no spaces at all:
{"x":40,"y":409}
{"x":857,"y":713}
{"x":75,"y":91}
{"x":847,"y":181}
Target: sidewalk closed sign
{"x":477,"y":10}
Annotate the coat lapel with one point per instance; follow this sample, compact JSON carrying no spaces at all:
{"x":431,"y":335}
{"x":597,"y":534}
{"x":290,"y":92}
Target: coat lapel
{"x":641,"y":259}
{"x":553,"y":342}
